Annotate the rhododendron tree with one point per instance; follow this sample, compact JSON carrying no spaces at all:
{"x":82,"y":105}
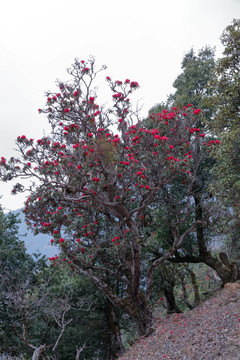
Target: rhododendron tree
{"x":98,"y":174}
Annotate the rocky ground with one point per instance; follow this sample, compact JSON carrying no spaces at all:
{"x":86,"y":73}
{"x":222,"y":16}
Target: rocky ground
{"x":209,"y":332}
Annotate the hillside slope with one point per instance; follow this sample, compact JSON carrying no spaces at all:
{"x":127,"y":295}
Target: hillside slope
{"x":209,"y":332}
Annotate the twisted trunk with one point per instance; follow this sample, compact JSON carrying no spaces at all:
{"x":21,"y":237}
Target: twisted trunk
{"x":135,"y":302}
{"x":114,"y":343}
{"x":197,"y":299}
{"x":226,"y":270}
{"x":185,"y":295}
{"x":143,"y":315}
{"x":171,"y":302}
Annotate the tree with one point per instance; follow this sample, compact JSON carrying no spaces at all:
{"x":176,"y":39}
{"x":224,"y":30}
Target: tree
{"x":98,"y":174}
{"x":15,"y":264}
{"x":226,"y":125}
{"x":193,"y":85}
{"x":31,"y":312}
{"x":44,"y":310}
{"x":48,"y":314}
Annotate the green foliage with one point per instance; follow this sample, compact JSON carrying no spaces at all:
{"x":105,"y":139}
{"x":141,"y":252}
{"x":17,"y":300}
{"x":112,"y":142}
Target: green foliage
{"x":15,"y":266}
{"x":202,"y":85}
{"x":226,"y":121}
{"x":192,"y":84}
{"x":35,"y":297}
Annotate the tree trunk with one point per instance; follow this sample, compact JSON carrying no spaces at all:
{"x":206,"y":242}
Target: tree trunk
{"x":38,"y":351}
{"x":228,"y":272}
{"x":197,"y":299}
{"x":108,"y":346}
{"x":114,"y":343}
{"x":142,"y":314}
{"x":135,"y":303}
{"x":78,"y":352}
{"x":184,"y":290}
{"x":171,"y":302}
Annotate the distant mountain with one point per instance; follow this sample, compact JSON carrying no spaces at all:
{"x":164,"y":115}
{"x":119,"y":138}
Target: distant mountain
{"x":39,"y":244}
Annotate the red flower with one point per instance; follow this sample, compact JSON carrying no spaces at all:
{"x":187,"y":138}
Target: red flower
{"x":3,"y":160}
{"x":134,"y":84}
{"x":85,"y":70}
{"x":197,"y":111}
{"x":117,"y":96}
{"x":66,"y":110}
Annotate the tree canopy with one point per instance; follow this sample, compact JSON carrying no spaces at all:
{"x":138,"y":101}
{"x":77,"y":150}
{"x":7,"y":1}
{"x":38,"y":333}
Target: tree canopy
{"x":99,"y":173}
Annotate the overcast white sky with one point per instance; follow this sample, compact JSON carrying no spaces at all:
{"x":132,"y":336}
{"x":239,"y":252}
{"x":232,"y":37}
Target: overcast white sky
{"x":141,"y":40}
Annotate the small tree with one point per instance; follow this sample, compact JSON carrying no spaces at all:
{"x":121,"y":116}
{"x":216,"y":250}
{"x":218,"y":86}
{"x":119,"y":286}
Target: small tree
{"x":98,"y":175}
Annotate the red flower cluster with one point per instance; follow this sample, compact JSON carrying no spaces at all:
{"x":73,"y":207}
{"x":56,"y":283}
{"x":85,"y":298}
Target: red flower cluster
{"x":134,"y":84}
{"x":197,"y":111}
{"x":85,"y":70}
